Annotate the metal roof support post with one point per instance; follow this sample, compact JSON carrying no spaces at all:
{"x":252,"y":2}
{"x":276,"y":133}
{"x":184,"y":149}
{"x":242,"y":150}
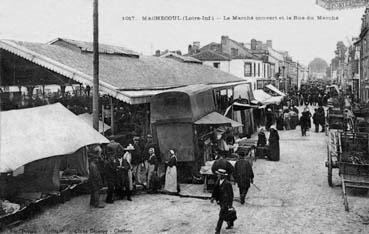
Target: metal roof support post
{"x":112,"y":124}
{"x":95,"y":98}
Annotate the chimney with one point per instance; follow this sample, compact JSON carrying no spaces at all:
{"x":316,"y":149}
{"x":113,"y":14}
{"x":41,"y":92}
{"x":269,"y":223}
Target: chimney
{"x":224,"y":40}
{"x":253,"y":44}
{"x":157,"y":53}
{"x":189,"y":50}
{"x":269,"y":43}
{"x":196,"y":47}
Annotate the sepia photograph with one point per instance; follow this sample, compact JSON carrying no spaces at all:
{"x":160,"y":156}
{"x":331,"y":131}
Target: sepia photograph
{"x":184,"y":116}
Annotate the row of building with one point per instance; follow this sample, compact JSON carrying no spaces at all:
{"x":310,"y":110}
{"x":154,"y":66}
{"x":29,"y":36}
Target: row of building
{"x":256,"y":62}
{"x":350,"y":66}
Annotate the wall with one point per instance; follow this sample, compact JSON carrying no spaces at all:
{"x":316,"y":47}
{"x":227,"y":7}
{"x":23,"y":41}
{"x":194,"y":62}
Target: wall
{"x":224,"y":65}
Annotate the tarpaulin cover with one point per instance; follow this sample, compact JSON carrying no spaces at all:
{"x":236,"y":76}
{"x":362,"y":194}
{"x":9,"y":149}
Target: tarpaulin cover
{"x":274,"y":89}
{"x":216,"y":118}
{"x":36,"y":133}
{"x":88,"y":118}
{"x":265,"y":98}
{"x":261,"y":96}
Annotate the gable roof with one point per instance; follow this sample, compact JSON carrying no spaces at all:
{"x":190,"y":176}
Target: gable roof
{"x":35,"y":133}
{"x":118,"y":73}
{"x":209,"y":55}
{"x":185,"y":59}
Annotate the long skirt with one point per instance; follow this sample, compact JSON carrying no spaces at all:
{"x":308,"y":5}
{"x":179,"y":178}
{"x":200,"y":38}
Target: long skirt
{"x":130,"y":181}
{"x":274,"y":151}
{"x":171,"y":179}
{"x":151,"y":172}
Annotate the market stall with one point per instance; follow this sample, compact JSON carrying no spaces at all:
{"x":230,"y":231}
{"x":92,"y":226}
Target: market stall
{"x":38,"y":147}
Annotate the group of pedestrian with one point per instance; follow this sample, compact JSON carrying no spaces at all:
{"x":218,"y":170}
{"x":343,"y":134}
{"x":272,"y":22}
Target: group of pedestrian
{"x":223,"y":191}
{"x":319,"y":119}
{"x":287,"y":119}
{"x":122,"y":169}
{"x":271,"y":150}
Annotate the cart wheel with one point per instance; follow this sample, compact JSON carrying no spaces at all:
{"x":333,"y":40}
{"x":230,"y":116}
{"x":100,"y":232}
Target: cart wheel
{"x":330,"y":167}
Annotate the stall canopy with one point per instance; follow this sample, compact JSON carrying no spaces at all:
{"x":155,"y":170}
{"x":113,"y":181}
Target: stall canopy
{"x":216,"y":119}
{"x":31,"y":134}
{"x":261,"y":96}
{"x":266,"y":99}
{"x":88,"y":119}
{"x":274,"y":89}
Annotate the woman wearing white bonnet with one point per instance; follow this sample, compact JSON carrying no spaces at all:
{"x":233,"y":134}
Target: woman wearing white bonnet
{"x":171,"y":184}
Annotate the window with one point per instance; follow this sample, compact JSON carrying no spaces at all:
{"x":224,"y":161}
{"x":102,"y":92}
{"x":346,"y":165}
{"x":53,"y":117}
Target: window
{"x":254,"y":69}
{"x":259,"y":69}
{"x":216,"y":65}
{"x":247,"y":72}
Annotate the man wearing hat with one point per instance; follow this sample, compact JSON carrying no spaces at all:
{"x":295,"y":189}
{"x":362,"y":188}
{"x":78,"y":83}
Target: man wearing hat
{"x":243,"y":175}
{"x":223,"y":194}
{"x":127,"y":158}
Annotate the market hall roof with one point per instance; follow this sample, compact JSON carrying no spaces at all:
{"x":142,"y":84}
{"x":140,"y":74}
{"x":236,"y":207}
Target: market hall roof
{"x":119,"y":72}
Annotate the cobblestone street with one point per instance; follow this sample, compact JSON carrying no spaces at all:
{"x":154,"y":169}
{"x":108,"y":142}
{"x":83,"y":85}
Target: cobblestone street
{"x":294,"y":198}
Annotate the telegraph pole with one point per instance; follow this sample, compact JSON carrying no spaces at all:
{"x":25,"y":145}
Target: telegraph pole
{"x":95,"y":98}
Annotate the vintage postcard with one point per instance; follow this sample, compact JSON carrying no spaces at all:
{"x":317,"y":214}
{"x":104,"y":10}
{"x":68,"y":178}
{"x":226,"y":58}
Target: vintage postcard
{"x":186,"y":116}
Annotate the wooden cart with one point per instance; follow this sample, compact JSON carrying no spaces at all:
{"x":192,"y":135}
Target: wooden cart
{"x":349,"y":152}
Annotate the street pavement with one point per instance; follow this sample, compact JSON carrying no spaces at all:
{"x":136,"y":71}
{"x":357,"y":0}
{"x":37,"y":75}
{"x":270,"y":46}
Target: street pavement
{"x":294,"y":198}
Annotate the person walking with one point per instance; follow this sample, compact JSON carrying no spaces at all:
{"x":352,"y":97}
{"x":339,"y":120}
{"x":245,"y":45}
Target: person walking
{"x":304,"y":123}
{"x":316,"y":120}
{"x":321,"y":120}
{"x":171,"y":184}
{"x":274,"y":153}
{"x":223,"y":195}
{"x":222,"y":163}
{"x":94,"y":182}
{"x":243,"y":175}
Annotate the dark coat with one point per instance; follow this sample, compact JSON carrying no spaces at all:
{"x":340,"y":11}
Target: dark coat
{"x":222,"y":164}
{"x":137,"y":155}
{"x":122,"y":173}
{"x":261,"y":139}
{"x":110,"y":171}
{"x":243,"y":173}
{"x":94,"y":178}
{"x":223,"y":193}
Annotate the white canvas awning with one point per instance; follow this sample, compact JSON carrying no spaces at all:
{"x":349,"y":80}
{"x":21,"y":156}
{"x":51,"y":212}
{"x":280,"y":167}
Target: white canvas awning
{"x":274,"y":89}
{"x":88,"y":118}
{"x":31,"y":134}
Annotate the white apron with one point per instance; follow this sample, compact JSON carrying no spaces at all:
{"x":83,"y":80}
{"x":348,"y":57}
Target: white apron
{"x":171,"y":179}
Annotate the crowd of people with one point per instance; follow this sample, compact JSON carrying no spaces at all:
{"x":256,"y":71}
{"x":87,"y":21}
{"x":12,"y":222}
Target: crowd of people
{"x":121,"y":170}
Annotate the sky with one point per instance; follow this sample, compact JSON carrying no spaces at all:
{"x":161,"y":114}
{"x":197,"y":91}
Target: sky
{"x":44,"y":20}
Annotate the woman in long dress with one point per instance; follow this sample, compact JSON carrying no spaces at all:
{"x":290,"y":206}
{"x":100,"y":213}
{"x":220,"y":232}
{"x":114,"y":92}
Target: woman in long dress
{"x":171,"y":174}
{"x":127,"y":157}
{"x":273,"y":145}
{"x":152,"y":169}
